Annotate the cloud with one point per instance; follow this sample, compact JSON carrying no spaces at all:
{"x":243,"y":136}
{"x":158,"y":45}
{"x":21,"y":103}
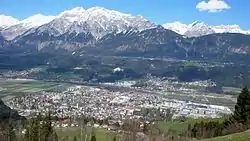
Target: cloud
{"x":212,"y":6}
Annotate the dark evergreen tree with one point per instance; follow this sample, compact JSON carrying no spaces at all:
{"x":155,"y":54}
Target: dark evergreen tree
{"x":93,"y":138}
{"x":75,"y":139}
{"x":202,"y":126}
{"x":47,"y":126}
{"x":189,"y":130}
{"x":48,"y":132}
{"x":116,"y":124}
{"x":194,"y":131}
{"x":114,"y":138}
{"x":145,"y":128}
{"x":85,"y":121}
{"x":40,"y":129}
{"x":11,"y":133}
{"x":242,"y":107}
{"x":32,"y":130}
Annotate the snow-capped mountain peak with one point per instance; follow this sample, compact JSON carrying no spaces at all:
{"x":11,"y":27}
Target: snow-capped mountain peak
{"x":199,"y":28}
{"x":36,"y":20}
{"x":96,"y":11}
{"x":96,"y":20}
{"x":177,"y":27}
{"x":21,"y":27}
{"x":227,"y":29}
{"x":73,"y":15}
{"x":75,"y":11}
{"x":6,"y":21}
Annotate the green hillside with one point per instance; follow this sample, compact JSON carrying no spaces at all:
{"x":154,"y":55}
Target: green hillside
{"x":244,"y":136}
{"x":179,"y":126}
{"x":69,"y":133}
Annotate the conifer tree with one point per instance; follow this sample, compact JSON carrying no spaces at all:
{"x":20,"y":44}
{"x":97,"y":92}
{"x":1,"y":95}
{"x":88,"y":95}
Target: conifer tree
{"x":40,"y":129}
{"x":75,"y":139}
{"x":189,"y":130}
{"x":11,"y":133}
{"x":242,"y":107}
{"x":93,"y":137}
{"x":114,"y":138}
{"x":31,"y":133}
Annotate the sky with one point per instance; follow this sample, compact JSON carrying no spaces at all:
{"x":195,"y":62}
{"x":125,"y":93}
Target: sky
{"x":212,"y":12}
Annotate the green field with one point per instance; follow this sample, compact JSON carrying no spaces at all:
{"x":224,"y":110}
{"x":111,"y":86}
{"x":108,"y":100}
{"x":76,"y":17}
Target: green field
{"x":15,"y":87}
{"x":177,"y":126}
{"x":71,"y":132}
{"x":244,"y":136}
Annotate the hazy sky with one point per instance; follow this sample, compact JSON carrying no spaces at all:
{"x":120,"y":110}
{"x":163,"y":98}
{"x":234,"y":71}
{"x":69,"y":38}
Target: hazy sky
{"x":212,"y":12}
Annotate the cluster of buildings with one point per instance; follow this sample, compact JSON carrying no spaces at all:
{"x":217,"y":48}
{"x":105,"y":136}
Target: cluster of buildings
{"x":165,"y":84}
{"x":22,"y":74}
{"x":101,"y":103}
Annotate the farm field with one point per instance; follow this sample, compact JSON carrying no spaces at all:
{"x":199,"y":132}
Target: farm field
{"x":18,"y":87}
{"x":69,"y":133}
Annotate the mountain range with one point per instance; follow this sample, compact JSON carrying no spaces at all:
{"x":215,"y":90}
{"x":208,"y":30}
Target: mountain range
{"x":107,"y":32}
{"x":100,"y":21}
{"x":199,"y":28}
{"x":97,"y":20}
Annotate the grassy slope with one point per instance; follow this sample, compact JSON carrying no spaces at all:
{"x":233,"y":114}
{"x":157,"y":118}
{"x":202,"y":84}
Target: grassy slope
{"x":244,"y":136}
{"x":178,"y":126}
{"x":71,"y":132}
